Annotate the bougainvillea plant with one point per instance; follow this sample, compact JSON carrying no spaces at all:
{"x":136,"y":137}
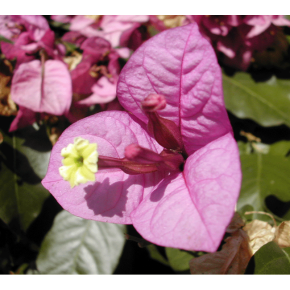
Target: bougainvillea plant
{"x":41,"y":82}
{"x":169,"y":165}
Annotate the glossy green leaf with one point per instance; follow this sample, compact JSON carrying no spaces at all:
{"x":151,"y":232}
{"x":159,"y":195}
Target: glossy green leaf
{"x":178,"y":259}
{"x":78,"y":246}
{"x":24,"y":159}
{"x":70,"y":47}
{"x":265,"y":175}
{"x":246,"y":208}
{"x":156,"y":255}
{"x":271,"y":259}
{"x":267,"y":103}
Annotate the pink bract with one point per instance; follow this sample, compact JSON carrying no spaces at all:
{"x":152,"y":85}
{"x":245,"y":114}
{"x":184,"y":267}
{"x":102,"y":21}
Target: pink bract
{"x":260,"y":23}
{"x":187,"y":74}
{"x":117,"y":29}
{"x":8,"y":28}
{"x":189,"y":208}
{"x":24,"y":118}
{"x":36,"y":25}
{"x":115,"y":26}
{"x":29,"y":43}
{"x":97,"y":73}
{"x":238,"y":37}
{"x":104,"y":91}
{"x":42,"y":87}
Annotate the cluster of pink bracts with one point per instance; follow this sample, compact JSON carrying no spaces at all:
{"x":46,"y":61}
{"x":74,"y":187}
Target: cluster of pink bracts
{"x":168,"y":162}
{"x":46,"y":80}
{"x":49,"y":80}
{"x":235,"y":38}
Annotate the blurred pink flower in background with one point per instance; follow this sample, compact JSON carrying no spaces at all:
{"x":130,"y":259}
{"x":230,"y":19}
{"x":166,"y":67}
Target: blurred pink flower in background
{"x":41,"y":82}
{"x":238,"y":37}
{"x":117,"y":29}
{"x":101,"y":42}
{"x":35,"y":36}
{"x":9,"y":28}
{"x":24,"y":118}
{"x":95,"y":77}
{"x":42,"y":87}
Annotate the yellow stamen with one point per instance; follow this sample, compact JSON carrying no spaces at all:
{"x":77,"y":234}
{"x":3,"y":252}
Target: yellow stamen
{"x":80,"y":162}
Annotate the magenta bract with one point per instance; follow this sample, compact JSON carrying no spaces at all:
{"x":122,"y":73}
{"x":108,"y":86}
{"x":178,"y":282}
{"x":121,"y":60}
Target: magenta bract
{"x":8,"y":27}
{"x":188,"y":206}
{"x":95,"y":77}
{"x":24,"y":118}
{"x":238,"y":37}
{"x":117,"y":29}
{"x":186,"y":72}
{"x":42,"y":87}
{"x":30,"y":42}
{"x":103,"y":90}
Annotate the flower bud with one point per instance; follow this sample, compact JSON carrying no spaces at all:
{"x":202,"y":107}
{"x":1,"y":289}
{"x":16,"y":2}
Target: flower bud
{"x":153,"y":102}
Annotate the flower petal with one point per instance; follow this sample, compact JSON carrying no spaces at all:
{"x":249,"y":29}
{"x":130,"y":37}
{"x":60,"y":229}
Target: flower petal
{"x":113,"y":26}
{"x":50,"y":93}
{"x":181,"y":65}
{"x":191,"y":210}
{"x":37,"y":25}
{"x":24,"y":118}
{"x":103,"y":92}
{"x":114,"y":194}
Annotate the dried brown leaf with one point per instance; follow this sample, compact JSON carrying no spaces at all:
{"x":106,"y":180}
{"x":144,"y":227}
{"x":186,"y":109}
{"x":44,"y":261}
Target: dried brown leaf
{"x":73,"y":60}
{"x":7,"y":106}
{"x":171,"y":21}
{"x":283,"y":235}
{"x":94,"y":17}
{"x":232,"y":259}
{"x":54,"y":135}
{"x":55,"y":127}
{"x":261,"y":148}
{"x":236,"y":223}
{"x":5,"y":77}
{"x":250,"y":136}
{"x":4,"y":85}
{"x":260,"y":233}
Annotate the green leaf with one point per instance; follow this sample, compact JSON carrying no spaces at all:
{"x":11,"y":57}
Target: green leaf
{"x":264,"y":175}
{"x":271,"y":259}
{"x":178,"y":259}
{"x":24,"y":159}
{"x":70,"y":47}
{"x":154,"y":254}
{"x":267,"y":103}
{"x":246,"y":208}
{"x":152,"y":30}
{"x":60,"y":24}
{"x":2,"y":38}
{"x":78,"y":246}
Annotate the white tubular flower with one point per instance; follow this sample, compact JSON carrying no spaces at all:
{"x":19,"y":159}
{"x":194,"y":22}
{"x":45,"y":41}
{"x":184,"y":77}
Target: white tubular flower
{"x":80,"y":162}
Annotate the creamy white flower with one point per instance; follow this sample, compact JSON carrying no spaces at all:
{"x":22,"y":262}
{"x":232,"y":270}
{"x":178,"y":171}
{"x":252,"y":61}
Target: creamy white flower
{"x":80,"y":162}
